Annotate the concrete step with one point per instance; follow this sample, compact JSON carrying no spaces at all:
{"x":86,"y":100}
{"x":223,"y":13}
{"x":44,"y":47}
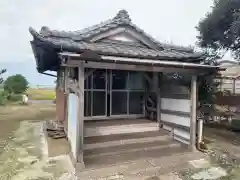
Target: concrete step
{"x":128,"y":156}
{"x":157,"y":144}
{"x":142,"y":169}
{"x":120,"y":129}
{"x":115,"y":137}
{"x":115,"y":122}
{"x":128,"y":138}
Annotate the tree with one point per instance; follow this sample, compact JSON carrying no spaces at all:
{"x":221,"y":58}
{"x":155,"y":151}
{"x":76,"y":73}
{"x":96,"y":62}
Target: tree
{"x":16,"y":84}
{"x":220,"y":29}
{"x":2,"y":71}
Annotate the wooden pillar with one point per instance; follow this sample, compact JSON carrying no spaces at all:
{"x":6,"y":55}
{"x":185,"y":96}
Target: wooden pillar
{"x":80,"y":122}
{"x":66,"y":79}
{"x":193,"y":113}
{"x":200,"y":130}
{"x":234,"y":86}
{"x":158,"y":100}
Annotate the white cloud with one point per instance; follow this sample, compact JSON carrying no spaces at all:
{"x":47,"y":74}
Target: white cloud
{"x":172,"y":20}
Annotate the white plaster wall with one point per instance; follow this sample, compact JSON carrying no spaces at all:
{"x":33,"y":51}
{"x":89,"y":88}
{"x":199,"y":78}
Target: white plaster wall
{"x":184,"y":121}
{"x":72,"y":122}
{"x":123,"y":37}
{"x":182,"y":105}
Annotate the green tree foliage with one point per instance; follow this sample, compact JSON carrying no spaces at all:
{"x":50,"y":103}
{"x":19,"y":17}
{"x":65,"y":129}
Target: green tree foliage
{"x":220,"y":29}
{"x":16,"y":84}
{"x":2,"y":71}
{"x":2,"y":93}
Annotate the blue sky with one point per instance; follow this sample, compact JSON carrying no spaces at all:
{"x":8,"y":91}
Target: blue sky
{"x":27,"y":69}
{"x":168,"y":21}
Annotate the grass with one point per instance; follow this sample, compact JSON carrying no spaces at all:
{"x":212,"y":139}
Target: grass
{"x":27,"y":112}
{"x":41,"y":94}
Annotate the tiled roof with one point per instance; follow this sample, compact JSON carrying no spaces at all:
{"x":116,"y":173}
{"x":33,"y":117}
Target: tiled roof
{"x":124,"y":49}
{"x":121,"y":19}
{"x":79,"y":41}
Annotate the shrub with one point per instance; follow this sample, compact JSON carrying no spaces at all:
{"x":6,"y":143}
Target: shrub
{"x":14,"y":97}
{"x":16,"y":84}
{"x":3,"y":98}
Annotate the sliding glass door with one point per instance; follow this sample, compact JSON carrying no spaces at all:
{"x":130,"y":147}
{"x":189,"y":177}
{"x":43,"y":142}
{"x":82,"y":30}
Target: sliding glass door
{"x":111,"y":93}
{"x":95,"y":94}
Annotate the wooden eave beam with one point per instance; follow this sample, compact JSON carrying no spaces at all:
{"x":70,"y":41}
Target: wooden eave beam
{"x":129,"y":67}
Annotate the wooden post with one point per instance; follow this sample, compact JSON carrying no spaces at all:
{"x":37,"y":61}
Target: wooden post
{"x":193,"y":113}
{"x":159,"y":101}
{"x":200,"y":130}
{"x":80,"y":122}
{"x":234,"y":86}
{"x":157,"y":90}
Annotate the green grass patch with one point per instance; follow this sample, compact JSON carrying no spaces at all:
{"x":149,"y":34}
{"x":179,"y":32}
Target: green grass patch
{"x":41,"y":94}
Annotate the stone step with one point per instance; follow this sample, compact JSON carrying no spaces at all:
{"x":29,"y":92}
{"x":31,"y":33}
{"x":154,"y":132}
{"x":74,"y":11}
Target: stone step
{"x":120,"y":139}
{"x":114,"y":150}
{"x":109,"y":160}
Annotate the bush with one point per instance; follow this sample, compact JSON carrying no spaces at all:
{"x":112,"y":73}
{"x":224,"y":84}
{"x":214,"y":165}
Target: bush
{"x":14,"y":97}
{"x":16,"y":84}
{"x":3,"y":98}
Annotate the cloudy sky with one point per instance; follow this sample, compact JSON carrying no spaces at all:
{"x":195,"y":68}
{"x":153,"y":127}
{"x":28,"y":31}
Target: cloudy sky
{"x":172,"y":21}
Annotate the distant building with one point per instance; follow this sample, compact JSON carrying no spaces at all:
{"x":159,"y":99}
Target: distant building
{"x":230,"y":78}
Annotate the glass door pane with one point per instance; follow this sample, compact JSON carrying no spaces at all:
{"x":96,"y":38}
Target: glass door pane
{"x":87,"y":103}
{"x":119,"y":80}
{"x":136,"y":102}
{"x":99,"y":92}
{"x":99,"y":102}
{"x":99,"y":79}
{"x":119,"y":103}
{"x":119,"y":92}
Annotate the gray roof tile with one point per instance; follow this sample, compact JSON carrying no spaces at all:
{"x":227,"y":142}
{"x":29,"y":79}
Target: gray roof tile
{"x":78,"y":41}
{"x":111,"y":48}
{"x":122,"y":18}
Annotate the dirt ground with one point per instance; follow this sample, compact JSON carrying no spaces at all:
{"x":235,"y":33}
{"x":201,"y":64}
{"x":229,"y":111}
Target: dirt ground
{"x":26,"y":155}
{"x":12,"y":115}
{"x":224,"y":156}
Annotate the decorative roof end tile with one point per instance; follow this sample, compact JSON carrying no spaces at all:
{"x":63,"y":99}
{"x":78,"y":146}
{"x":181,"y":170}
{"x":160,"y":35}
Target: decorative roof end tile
{"x":123,"y":15}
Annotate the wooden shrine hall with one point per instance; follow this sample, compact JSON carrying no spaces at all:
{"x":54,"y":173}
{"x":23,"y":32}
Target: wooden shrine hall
{"x":121,"y":94}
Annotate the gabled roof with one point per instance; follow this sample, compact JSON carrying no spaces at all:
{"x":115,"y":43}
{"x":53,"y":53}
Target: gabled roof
{"x":121,"y":19}
{"x":110,"y":47}
{"x":47,"y":43}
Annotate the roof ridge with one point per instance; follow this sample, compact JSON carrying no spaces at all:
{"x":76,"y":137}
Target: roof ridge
{"x":122,"y":18}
